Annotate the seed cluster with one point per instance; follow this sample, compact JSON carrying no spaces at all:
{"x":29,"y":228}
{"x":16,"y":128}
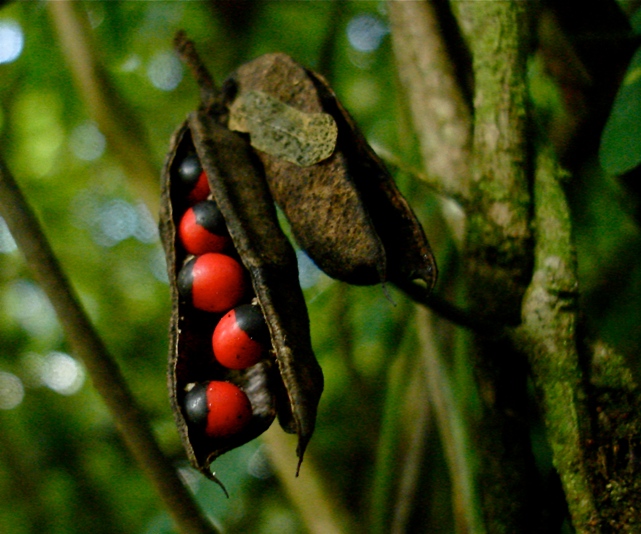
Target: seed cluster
{"x":213,"y":280}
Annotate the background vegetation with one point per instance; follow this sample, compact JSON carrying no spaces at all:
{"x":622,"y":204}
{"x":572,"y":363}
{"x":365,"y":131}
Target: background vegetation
{"x":424,"y":425}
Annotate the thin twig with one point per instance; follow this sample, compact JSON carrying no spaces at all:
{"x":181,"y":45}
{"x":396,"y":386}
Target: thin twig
{"x":435,"y":183}
{"x":186,"y":50}
{"x":327,"y":49}
{"x":451,"y":312}
{"x":116,"y":120}
{"x":105,"y":373}
{"x":320,"y":511}
{"x":388,"y":442}
{"x":452,"y":429}
{"x":410,"y":465}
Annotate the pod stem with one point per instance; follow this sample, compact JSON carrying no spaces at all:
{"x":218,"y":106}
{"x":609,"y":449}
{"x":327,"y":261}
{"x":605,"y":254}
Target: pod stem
{"x":104,"y":371}
{"x":209,"y":93}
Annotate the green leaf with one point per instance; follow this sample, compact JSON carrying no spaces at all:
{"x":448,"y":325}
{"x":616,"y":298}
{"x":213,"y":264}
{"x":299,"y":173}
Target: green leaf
{"x":620,"y":149}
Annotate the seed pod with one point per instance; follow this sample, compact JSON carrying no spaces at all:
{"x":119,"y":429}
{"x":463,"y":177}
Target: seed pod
{"x":289,"y":382}
{"x":345,"y":211}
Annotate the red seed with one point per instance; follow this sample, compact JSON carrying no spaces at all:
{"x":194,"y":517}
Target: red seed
{"x":240,"y":337}
{"x":193,"y":178}
{"x":219,"y":282}
{"x":202,"y":229}
{"x":201,"y":190}
{"x":229,"y":409}
{"x":215,"y":282}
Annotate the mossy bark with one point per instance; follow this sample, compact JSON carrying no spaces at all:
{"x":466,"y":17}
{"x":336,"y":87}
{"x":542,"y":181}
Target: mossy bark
{"x":521,"y":282}
{"x":498,"y":252}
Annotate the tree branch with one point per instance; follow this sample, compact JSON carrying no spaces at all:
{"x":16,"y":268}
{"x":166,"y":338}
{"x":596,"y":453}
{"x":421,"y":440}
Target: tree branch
{"x":547,"y":336}
{"x":440,"y":112}
{"x":498,"y":258}
{"x":433,"y":182}
{"x":105,"y":374}
{"x":499,"y":240}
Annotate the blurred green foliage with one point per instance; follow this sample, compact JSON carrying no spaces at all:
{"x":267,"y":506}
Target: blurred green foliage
{"x":621,"y":145}
{"x":620,"y":149}
{"x":63,"y":467}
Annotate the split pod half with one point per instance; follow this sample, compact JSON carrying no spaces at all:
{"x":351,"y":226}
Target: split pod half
{"x":220,"y":353}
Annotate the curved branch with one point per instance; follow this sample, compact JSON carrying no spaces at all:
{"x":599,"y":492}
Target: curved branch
{"x":104,"y":372}
{"x":453,"y":313}
{"x":548,"y":337}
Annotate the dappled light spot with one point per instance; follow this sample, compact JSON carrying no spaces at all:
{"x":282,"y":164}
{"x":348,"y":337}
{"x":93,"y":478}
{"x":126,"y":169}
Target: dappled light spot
{"x":131,"y":63}
{"x":11,"y":41}
{"x":190,"y":477}
{"x":258,"y":465}
{"x":11,"y":391}
{"x":308,"y":273}
{"x":7,"y":243}
{"x":165,"y":71}
{"x":95,"y":14}
{"x":87,"y":142}
{"x":158,"y":265}
{"x":365,"y":32}
{"x":27,"y":303}
{"x":62,"y":373}
{"x":146,"y":230}
{"x":113,"y":220}
{"x":117,"y":221}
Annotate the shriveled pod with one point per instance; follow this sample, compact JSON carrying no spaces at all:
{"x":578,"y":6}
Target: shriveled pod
{"x":345,"y":210}
{"x":287,"y":383}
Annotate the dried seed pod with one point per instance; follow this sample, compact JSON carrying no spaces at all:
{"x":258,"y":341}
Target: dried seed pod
{"x":288,"y":383}
{"x":345,"y":211}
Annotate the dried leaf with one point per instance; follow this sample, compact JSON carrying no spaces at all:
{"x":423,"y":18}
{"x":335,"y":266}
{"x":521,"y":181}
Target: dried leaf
{"x":282,"y":130}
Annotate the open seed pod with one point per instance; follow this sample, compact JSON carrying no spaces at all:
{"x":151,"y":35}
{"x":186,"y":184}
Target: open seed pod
{"x":288,"y":382}
{"x":345,"y":210}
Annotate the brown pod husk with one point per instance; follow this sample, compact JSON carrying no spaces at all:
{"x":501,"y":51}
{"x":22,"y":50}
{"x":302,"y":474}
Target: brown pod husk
{"x":345,"y":211}
{"x":291,"y":382}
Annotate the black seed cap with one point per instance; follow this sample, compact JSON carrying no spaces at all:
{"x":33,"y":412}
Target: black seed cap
{"x":208,"y":216}
{"x":185,"y":280}
{"x":250,"y":320}
{"x":189,"y":170}
{"x":196,"y":409}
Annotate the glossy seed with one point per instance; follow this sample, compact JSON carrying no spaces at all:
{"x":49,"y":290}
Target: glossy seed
{"x":193,"y":178}
{"x":212,"y":282}
{"x":241,"y":337}
{"x":229,"y":409}
{"x":202,"y":229}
